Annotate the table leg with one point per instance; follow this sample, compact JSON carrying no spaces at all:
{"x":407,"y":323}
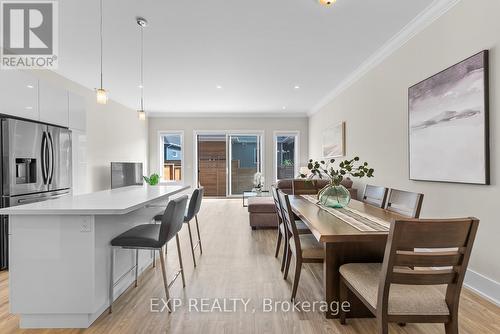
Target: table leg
{"x":330,"y":277}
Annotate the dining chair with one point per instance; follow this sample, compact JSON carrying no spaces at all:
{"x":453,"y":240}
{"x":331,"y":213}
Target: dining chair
{"x":152,"y":237}
{"x":304,"y":247}
{"x":375,"y":195}
{"x":282,"y":230}
{"x":405,"y":203}
{"x":191,"y":212}
{"x":394,"y":292}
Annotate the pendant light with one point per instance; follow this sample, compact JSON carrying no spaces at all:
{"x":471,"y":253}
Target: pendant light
{"x":101,"y":93}
{"x":143,"y":23}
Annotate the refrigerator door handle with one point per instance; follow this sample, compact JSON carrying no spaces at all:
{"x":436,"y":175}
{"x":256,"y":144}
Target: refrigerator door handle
{"x":52,"y":158}
{"x":43,"y":157}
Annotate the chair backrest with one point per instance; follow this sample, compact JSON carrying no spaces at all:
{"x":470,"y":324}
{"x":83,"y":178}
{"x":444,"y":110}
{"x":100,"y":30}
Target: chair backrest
{"x":274,"y":192}
{"x":173,"y":218}
{"x":405,"y":203}
{"x":288,"y":218}
{"x":437,"y":267}
{"x":375,"y":195}
{"x":308,"y":187}
{"x":195,"y":203}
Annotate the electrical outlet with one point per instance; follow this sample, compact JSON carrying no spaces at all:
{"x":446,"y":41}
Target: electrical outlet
{"x":86,"y":226}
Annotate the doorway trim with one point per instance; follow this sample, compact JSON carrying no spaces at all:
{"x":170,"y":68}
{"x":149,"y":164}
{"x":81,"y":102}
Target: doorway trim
{"x":291,"y":133}
{"x":227,"y":133}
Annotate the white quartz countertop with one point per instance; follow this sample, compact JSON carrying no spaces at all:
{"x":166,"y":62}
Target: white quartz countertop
{"x":107,"y":202}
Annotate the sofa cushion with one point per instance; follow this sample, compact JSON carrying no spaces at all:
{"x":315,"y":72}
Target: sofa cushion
{"x":261,"y":205}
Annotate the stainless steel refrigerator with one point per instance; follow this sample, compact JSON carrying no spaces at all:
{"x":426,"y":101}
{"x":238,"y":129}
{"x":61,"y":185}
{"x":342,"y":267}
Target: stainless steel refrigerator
{"x":36,"y":166}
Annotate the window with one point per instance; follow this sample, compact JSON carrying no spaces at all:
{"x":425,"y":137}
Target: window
{"x":286,"y":161}
{"x":171,"y":164}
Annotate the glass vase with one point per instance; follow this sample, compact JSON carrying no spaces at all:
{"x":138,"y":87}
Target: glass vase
{"x":334,"y":196}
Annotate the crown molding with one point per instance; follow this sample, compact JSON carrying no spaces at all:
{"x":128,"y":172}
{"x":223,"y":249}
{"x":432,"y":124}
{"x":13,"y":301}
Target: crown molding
{"x":209,"y":114}
{"x":434,"y":11}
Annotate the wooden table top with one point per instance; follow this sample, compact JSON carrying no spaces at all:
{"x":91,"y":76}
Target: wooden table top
{"x":328,"y":228}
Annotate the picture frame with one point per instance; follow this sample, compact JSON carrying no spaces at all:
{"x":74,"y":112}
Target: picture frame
{"x":334,"y":141}
{"x":448,"y":124}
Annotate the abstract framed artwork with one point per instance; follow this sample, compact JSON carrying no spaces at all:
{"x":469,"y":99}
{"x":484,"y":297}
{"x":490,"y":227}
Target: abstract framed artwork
{"x":448,"y":126}
{"x":334,"y":141}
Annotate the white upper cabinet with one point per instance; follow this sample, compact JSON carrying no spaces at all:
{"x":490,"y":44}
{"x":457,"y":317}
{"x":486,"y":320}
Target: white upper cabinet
{"x":53,"y":104}
{"x":77,"y":112}
{"x":18,"y":94}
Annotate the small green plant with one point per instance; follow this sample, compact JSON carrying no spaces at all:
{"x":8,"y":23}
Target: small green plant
{"x":346,"y":168}
{"x":153,"y":180}
{"x":287,"y":162}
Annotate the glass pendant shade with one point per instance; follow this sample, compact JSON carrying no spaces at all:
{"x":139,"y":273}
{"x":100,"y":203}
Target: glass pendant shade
{"x":102,"y":96}
{"x":141,"y":114}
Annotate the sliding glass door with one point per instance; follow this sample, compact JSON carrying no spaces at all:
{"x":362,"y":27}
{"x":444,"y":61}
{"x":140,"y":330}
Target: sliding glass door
{"x":245,"y":159}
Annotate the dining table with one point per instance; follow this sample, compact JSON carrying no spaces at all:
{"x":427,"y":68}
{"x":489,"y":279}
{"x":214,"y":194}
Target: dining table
{"x":344,"y":243}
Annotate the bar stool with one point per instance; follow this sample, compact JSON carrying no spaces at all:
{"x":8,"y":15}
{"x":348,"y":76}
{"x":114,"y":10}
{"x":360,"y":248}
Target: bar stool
{"x":152,"y":237}
{"x":192,"y":212}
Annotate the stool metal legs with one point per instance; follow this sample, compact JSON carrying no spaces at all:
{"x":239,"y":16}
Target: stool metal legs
{"x":111,"y":282}
{"x":164,"y":274}
{"x":191,"y":242}
{"x":136,"y":266}
{"x":180,"y":260}
{"x":198,"y":243}
{"x":198,"y":230}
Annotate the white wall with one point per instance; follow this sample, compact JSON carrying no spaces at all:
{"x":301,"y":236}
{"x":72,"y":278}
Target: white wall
{"x":375,"y":110}
{"x":268,"y":125}
{"x":114,"y":133}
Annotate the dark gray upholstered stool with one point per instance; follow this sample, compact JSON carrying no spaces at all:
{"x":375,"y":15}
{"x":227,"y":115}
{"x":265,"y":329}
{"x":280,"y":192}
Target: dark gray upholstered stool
{"x":192,"y":212}
{"x":152,"y":237}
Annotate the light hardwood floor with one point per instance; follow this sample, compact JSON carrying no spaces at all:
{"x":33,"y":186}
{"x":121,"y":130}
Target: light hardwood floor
{"x":239,"y":263}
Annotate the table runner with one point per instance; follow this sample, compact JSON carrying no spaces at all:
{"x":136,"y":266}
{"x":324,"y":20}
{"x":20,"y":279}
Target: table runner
{"x":357,"y":219}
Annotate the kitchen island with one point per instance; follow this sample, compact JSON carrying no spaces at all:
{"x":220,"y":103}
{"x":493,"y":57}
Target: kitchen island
{"x":60,"y":253}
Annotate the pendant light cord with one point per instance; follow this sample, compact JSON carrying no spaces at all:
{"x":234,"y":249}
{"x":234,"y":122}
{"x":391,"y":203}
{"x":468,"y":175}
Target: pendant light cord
{"x":142,"y":68}
{"x":101,"y":38}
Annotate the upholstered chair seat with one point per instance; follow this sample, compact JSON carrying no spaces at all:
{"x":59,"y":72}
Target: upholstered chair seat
{"x":403,"y":299}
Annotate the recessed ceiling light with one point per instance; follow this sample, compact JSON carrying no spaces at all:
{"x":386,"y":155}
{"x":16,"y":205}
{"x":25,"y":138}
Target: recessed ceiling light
{"x":327,"y":2}
{"x":283,"y":108}
{"x":218,"y":87}
{"x":140,"y":86}
{"x":29,"y":86}
{"x":28,"y":108}
{"x":296,"y":87}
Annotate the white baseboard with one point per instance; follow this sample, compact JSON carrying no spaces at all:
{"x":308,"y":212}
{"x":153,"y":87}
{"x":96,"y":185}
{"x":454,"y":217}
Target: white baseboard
{"x":483,"y":286}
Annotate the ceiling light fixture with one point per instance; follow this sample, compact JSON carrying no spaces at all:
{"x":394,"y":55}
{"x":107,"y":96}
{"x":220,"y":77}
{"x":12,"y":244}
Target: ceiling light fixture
{"x":29,"y":86}
{"x":283,"y":108}
{"x":327,"y":2}
{"x":101,"y":93}
{"x":218,"y":87}
{"x":296,"y":87}
{"x":143,"y":23}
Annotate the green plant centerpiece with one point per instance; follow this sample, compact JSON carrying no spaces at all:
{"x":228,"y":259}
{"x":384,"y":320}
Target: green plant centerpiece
{"x":152,"y":180}
{"x":335,"y":195}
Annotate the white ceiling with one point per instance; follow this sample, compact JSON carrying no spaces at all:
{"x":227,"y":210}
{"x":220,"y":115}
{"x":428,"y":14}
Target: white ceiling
{"x":257,"y":50}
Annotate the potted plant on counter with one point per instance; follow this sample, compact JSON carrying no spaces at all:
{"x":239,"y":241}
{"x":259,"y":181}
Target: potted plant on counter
{"x":335,"y":195}
{"x":152,"y":180}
